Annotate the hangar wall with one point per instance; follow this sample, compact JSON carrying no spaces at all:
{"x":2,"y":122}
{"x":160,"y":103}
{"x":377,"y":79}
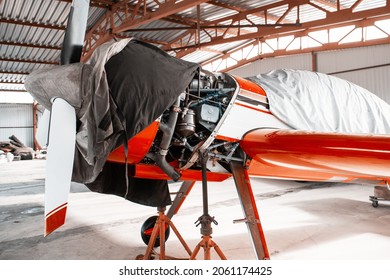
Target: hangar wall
{"x":302,"y":61}
{"x":17,"y":119}
{"x":368,"y":67}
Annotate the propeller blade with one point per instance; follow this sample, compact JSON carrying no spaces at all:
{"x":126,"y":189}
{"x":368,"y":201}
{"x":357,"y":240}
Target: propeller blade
{"x":62,"y":131}
{"x":59,"y":166}
{"x":75,"y":32}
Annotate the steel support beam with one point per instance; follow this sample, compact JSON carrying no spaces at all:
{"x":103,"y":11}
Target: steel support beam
{"x":13,"y":73}
{"x":257,"y":45}
{"x":95,"y":3}
{"x":30,"y":23}
{"x":188,"y":45}
{"x":165,"y":9}
{"x":123,"y":16}
{"x":12,"y":90}
{"x":28,"y":61}
{"x":185,"y":40}
{"x":35,"y":126}
{"x":29,"y":45}
{"x":11,"y":82}
{"x":225,"y":5}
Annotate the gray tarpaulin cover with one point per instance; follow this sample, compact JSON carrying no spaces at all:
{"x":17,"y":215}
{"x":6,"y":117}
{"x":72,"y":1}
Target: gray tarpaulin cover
{"x":123,"y":88}
{"x":313,"y":101}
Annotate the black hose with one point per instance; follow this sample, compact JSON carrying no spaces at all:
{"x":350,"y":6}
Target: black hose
{"x":168,"y":129}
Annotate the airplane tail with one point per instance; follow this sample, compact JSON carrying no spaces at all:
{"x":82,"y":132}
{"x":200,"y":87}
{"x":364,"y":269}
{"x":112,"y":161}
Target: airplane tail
{"x":62,"y":134}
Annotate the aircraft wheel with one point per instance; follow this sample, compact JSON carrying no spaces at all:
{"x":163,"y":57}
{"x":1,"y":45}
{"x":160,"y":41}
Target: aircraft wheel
{"x":375,"y":204}
{"x":147,"y":228}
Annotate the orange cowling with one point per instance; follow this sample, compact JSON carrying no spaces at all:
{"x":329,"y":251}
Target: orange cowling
{"x":353,"y":156}
{"x":250,"y":86}
{"x":138,"y":146}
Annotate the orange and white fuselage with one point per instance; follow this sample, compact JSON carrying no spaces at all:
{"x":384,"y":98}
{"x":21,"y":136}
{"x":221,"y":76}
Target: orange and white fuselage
{"x":274,"y":149}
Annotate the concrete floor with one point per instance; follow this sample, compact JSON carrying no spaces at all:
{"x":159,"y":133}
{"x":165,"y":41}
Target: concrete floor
{"x":301,"y":221}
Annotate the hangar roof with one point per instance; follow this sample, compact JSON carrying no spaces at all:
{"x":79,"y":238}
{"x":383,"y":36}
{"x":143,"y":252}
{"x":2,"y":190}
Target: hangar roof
{"x":219,"y":34}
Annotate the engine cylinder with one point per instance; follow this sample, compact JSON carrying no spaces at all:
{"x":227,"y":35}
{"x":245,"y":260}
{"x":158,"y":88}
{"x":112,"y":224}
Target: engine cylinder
{"x":186,"y":124}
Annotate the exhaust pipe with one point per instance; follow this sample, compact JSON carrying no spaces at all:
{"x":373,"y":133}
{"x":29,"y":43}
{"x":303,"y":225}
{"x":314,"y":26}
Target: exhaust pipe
{"x":167,"y":129}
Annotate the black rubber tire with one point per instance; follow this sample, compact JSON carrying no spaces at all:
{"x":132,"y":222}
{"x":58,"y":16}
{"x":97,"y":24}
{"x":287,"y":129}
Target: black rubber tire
{"x":375,"y":204}
{"x":148,"y":225}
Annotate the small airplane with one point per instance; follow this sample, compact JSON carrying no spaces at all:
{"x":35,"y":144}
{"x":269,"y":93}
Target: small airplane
{"x":214,"y":126}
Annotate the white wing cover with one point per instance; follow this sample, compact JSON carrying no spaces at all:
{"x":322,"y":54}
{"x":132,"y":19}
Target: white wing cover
{"x":313,"y":101}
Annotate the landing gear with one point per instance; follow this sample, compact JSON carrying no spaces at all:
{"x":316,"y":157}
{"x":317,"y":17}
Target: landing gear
{"x":251,"y":217}
{"x":155,"y":230}
{"x":147,"y":229}
{"x":159,"y":229}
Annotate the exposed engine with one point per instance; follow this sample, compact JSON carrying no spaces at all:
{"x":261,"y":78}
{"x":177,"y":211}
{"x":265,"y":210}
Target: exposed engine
{"x":191,"y":124}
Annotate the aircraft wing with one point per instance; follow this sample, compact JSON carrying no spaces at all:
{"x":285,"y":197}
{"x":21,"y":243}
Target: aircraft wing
{"x":355,"y":155}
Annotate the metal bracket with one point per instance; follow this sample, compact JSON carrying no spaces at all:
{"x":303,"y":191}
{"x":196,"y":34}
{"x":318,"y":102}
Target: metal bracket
{"x":176,"y":109}
{"x":249,"y":219}
{"x":179,"y":194}
{"x":163,"y":152}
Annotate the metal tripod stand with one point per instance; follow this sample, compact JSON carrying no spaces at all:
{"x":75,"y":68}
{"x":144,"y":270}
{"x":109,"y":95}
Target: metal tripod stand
{"x":159,"y":230}
{"x":205,"y":220}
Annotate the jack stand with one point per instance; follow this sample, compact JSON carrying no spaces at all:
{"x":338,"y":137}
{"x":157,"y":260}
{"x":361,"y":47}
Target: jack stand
{"x":159,"y":230}
{"x":205,"y":220}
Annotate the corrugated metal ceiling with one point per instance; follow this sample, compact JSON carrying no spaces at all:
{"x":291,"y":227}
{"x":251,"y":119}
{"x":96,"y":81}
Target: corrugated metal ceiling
{"x":31,"y":31}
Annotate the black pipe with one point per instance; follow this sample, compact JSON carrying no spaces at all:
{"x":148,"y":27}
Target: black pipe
{"x":203,"y":158}
{"x":167,"y":129}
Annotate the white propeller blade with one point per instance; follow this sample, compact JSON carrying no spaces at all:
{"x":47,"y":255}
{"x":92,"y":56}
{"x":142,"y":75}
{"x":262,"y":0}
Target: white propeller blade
{"x":59,"y":165}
